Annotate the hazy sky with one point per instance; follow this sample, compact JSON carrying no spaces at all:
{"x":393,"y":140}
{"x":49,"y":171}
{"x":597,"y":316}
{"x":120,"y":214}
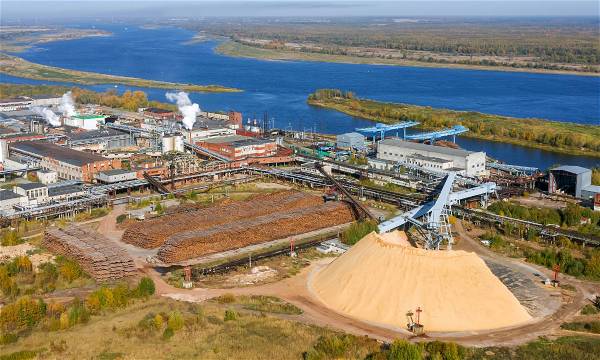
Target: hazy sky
{"x":40,"y":10}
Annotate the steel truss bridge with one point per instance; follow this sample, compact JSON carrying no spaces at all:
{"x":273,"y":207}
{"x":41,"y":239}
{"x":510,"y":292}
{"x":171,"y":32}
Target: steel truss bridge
{"x":434,"y":135}
{"x":382,"y":129}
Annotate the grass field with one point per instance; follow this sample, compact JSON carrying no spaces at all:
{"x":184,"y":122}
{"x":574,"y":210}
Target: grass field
{"x":205,"y":335}
{"x":15,"y":66}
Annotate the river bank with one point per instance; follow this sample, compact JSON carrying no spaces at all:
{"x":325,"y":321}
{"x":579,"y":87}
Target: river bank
{"x":572,"y":139}
{"x":236,"y":49}
{"x":15,"y":66}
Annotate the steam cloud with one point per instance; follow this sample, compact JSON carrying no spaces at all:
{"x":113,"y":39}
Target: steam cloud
{"x":187,"y":109}
{"x":67,"y":105}
{"x":48,"y":115}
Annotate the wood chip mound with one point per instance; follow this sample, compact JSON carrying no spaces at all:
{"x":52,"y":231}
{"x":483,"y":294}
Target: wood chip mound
{"x":455,"y":289}
{"x":97,"y":255}
{"x":152,"y":233}
{"x":255,"y":230}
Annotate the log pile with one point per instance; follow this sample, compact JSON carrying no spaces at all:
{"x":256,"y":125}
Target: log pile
{"x":98,"y":256}
{"x":255,"y":230}
{"x":153,"y":233}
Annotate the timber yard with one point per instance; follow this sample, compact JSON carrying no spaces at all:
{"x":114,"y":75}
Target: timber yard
{"x":212,"y":204}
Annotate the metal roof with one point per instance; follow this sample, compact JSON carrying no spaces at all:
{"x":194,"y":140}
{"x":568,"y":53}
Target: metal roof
{"x":573,"y":169}
{"x":30,"y":186}
{"x":424,"y":147}
{"x":95,"y":134}
{"x":7,"y":194}
{"x":60,"y":153}
{"x":116,"y":172}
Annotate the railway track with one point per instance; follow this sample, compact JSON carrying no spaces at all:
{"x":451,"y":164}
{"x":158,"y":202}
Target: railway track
{"x":225,"y":267}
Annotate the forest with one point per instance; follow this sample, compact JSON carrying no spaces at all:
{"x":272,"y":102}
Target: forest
{"x":527,"y":43}
{"x":548,"y":135}
{"x":129,"y":100}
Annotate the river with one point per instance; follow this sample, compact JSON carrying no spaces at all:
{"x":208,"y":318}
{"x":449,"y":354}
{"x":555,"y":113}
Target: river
{"x":280,"y":88}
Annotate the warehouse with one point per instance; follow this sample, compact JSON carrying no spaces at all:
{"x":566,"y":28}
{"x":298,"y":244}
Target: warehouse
{"x":115,"y":176}
{"x":21,"y":103}
{"x":350,"y":141}
{"x":404,"y":152}
{"x":45,"y":100}
{"x":87,"y":122}
{"x":8,"y":200}
{"x":205,"y":128}
{"x":99,"y":140}
{"x":35,"y":192}
{"x":158,"y":114}
{"x":572,"y":180}
{"x":237,"y":147}
{"x":68,"y":163}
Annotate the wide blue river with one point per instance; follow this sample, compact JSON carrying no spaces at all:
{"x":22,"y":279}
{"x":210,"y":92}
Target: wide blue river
{"x":280,"y":88}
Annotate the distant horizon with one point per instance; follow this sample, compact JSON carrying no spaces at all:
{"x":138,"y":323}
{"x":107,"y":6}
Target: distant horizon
{"x":36,"y":11}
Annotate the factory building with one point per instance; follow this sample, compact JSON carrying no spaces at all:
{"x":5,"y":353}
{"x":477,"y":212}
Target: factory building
{"x":350,"y":141}
{"x":115,"y":176}
{"x":45,"y":100}
{"x":86,"y":122}
{"x":237,"y":147}
{"x":172,"y":142}
{"x":8,"y":200}
{"x":35,"y":192}
{"x":47,"y":177}
{"x":434,"y":157}
{"x":99,"y":140}
{"x":20,"y":103}
{"x":158,"y":114}
{"x":205,"y":128}
{"x":572,"y":180}
{"x":68,"y":163}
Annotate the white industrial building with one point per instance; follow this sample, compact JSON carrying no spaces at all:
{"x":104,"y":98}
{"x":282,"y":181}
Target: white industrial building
{"x":35,"y":192}
{"x":350,"y":141}
{"x":116,"y":175}
{"x":432,"y":157}
{"x":172,"y":142}
{"x":8,"y":200}
{"x":47,"y":176}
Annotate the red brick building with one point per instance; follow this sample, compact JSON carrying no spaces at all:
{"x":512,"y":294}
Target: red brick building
{"x":68,"y":163}
{"x":238,"y":147}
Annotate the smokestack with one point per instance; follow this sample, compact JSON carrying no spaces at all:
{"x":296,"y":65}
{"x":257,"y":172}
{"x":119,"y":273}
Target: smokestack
{"x":48,"y":115}
{"x":186,"y":108}
{"x":67,"y":105}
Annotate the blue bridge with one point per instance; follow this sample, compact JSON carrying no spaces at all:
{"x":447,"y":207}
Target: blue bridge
{"x":433,"y":135}
{"x":382,"y":129}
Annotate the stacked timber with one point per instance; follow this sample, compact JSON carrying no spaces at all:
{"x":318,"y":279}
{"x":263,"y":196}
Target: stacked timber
{"x":98,"y":256}
{"x":153,"y":233}
{"x":245,"y":232}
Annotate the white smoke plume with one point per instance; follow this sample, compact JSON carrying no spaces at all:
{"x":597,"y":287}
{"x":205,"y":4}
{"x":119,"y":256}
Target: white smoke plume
{"x":67,"y":105}
{"x":51,"y":118}
{"x":187,"y":109}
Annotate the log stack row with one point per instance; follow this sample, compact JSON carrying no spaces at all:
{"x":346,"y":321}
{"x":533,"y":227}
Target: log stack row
{"x":152,"y":233}
{"x":98,"y":256}
{"x":254,"y":230}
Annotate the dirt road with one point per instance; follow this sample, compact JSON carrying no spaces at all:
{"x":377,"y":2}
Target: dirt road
{"x":295,"y":291}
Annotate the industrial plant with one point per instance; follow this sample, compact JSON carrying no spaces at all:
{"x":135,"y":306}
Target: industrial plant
{"x":191,"y":196}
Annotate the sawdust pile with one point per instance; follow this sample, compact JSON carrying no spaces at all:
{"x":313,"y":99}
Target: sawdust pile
{"x":253,"y":230}
{"x":153,"y":233}
{"x":381,"y":278}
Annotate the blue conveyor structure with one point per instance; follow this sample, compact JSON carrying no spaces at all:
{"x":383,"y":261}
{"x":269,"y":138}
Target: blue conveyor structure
{"x":382,"y":129}
{"x":434,"y":135}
